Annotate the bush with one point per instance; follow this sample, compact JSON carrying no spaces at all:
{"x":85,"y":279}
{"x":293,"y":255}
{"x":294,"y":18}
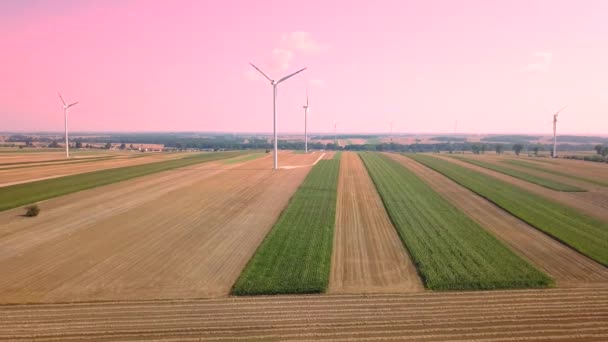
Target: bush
{"x":32,"y":210}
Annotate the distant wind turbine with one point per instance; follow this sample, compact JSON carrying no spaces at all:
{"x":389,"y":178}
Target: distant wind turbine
{"x":555,"y":131}
{"x":391,"y":132}
{"x":336,"y":133}
{"x":305,"y":123}
{"x":274,"y":108}
{"x":65,"y":117}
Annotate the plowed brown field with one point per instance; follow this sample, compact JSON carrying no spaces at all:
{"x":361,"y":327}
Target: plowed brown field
{"x":178,"y":234}
{"x":368,"y":255}
{"x":23,"y":175}
{"x":562,"y":263}
{"x":577,"y":314}
{"x":585,"y":206}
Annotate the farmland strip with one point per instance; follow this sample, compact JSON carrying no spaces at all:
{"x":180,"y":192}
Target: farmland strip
{"x":368,"y":255}
{"x":565,"y":265}
{"x":295,"y":257}
{"x":547,"y":183}
{"x":537,"y":167}
{"x":579,"y":231}
{"x":16,"y":195}
{"x":449,"y":249}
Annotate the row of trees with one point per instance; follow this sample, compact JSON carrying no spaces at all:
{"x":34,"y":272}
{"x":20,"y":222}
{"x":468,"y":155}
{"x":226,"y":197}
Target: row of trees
{"x":601,"y":150}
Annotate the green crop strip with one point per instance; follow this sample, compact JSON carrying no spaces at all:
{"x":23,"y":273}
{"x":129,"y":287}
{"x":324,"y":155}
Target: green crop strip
{"x":449,"y":249}
{"x":547,"y":183}
{"x":536,"y":167}
{"x":20,"y":194}
{"x":586,"y":235}
{"x":295,"y":257}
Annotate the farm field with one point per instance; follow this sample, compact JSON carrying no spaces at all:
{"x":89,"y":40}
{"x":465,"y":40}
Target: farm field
{"x":523,"y":175}
{"x":295,"y":257}
{"x":450,"y":250}
{"x":589,"y":207}
{"x":566,"y":266}
{"x":26,"y":193}
{"x":44,"y":155}
{"x":579,"y":314}
{"x":554,"y":169}
{"x":585,"y":234}
{"x":368,"y":255}
{"x":204,"y":222}
{"x":32,"y":172}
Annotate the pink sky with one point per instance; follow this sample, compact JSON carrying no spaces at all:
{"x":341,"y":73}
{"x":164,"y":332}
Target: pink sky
{"x":495,"y":66}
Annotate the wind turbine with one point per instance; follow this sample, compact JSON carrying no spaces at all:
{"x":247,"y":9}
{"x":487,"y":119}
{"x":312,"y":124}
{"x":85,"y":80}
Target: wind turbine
{"x":336,"y":133}
{"x":555,"y":131}
{"x":391,"y":134}
{"x":65,"y":117}
{"x":274,"y":108}
{"x":305,"y":123}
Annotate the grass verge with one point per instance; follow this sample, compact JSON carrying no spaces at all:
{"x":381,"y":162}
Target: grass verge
{"x":449,"y":249}
{"x":584,"y":234}
{"x":20,"y":194}
{"x":547,"y":183}
{"x":295,"y":257}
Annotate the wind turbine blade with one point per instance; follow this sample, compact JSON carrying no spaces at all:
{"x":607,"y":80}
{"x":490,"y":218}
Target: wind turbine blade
{"x":288,"y":76}
{"x":61,"y":98}
{"x":261,"y":72}
{"x":561,"y":110}
{"x":306,"y":97}
{"x":73,"y":104}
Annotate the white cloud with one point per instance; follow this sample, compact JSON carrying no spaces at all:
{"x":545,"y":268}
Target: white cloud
{"x":281,"y":59}
{"x":302,"y":41}
{"x":541,"y":62}
{"x":317,"y":83}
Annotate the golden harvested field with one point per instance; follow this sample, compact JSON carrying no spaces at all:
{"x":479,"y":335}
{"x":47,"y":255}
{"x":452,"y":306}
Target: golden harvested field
{"x":566,"y":266}
{"x":576,"y":314}
{"x":585,"y":206}
{"x":185,"y":233}
{"x":368,"y":255}
{"x":32,"y":173}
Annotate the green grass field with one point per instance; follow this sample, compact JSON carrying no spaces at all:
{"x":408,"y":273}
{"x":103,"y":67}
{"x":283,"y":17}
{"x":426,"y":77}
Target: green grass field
{"x":550,"y":170}
{"x":450,"y":250}
{"x":49,"y":163}
{"x":547,"y":183}
{"x":17,"y":195}
{"x":586,"y":235}
{"x":295,"y":257}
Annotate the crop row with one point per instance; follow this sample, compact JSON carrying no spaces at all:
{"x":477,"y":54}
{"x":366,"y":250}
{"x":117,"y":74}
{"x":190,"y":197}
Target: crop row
{"x":449,"y":249}
{"x":547,"y":183}
{"x":586,"y":235}
{"x":542,"y":168}
{"x":16,"y":195}
{"x":295,"y":257}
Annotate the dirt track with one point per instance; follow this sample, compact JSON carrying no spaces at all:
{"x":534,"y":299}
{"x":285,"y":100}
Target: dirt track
{"x":368,"y":255}
{"x":562,"y":263}
{"x":525,"y":315}
{"x":583,"y":205}
{"x":25,"y":175}
{"x":179,"y":234}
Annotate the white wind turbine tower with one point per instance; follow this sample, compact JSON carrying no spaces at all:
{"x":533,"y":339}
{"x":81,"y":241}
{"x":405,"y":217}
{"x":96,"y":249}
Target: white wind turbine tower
{"x":305,"y":123}
{"x":65,"y":117}
{"x":274,"y":108}
{"x":336,"y":133}
{"x":555,"y":131}
{"x":391,"y":132}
